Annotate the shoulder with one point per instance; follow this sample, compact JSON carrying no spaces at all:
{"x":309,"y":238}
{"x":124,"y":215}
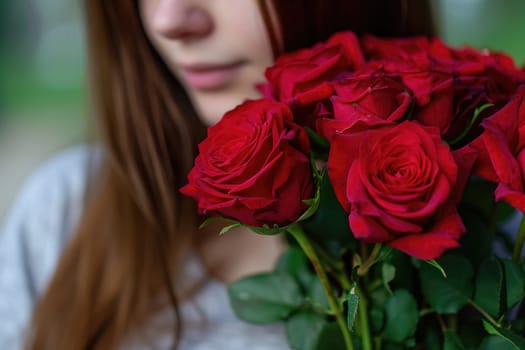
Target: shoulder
{"x":52,"y":197}
{"x":64,"y":173}
{"x":36,"y":229}
{"x":48,"y":207}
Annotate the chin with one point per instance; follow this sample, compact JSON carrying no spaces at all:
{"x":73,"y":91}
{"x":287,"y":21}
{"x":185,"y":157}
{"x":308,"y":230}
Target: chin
{"x":211,"y":108}
{"x":212,"y":104}
{"x":211,"y":113}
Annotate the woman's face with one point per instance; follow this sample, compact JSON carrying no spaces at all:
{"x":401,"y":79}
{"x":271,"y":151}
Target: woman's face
{"x":217,"y":49}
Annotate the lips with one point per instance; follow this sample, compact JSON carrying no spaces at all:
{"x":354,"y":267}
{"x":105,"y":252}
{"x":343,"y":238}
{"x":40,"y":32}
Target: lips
{"x":205,"y":76}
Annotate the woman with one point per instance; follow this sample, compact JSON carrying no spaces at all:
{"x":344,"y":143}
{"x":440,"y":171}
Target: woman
{"x":161,"y":70}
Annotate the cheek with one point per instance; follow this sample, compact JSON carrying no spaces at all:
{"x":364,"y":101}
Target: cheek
{"x":246,"y":31}
{"x":244,"y":36}
{"x":147,"y":14}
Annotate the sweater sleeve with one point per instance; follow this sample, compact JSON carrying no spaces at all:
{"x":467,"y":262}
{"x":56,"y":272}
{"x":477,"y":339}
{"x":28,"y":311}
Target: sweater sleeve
{"x":33,"y":235}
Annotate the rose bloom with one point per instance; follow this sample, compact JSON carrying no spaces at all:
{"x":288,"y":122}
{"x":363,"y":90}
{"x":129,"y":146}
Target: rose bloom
{"x":501,"y":72}
{"x":308,"y":71}
{"x":372,"y":98}
{"x":377,"y":48}
{"x":253,"y":166}
{"x":501,"y":151}
{"x":433,"y":86}
{"x":480,"y":78}
{"x":448,"y":84}
{"x":399,"y":184}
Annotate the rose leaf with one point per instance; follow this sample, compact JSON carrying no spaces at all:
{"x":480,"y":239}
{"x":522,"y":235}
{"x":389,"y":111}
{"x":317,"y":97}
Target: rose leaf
{"x":448,"y":295}
{"x":353,"y":304}
{"x":452,"y":341}
{"x":265,"y":298}
{"x":388,"y":273}
{"x":437,"y":266}
{"x":489,"y":283}
{"x":494,"y":342}
{"x":401,"y":316}
{"x":294,"y":262}
{"x":514,"y":282}
{"x":515,"y":341}
{"x":329,"y":224}
{"x":307,"y":330}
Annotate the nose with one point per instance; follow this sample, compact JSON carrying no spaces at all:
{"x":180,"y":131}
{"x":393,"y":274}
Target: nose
{"x":181,"y":19}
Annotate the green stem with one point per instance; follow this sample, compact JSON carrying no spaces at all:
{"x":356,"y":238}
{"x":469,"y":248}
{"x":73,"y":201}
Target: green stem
{"x":520,"y":240}
{"x":363,"y":269}
{"x":484,"y":314}
{"x":362,"y":310}
{"x":453,"y":322}
{"x":477,"y":113}
{"x":297,"y":232}
{"x":333,"y":264}
{"x":364,"y":323}
{"x":378,"y":343}
{"x":442,"y":324}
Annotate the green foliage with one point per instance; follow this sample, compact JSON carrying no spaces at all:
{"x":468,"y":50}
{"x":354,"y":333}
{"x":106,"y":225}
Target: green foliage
{"x":401,"y":316}
{"x":431,"y":334}
{"x":316,"y":293}
{"x":317,"y":141}
{"x":496,"y":343}
{"x":229,"y":227}
{"x":479,"y":194}
{"x":377,"y":318}
{"x":303,"y":330}
{"x":329,"y":226}
{"x":489,"y":284}
{"x":310,"y":331}
{"x":470,"y":124}
{"x":454,"y":293}
{"x":450,"y":294}
{"x":265,"y":298}
{"x":388,"y":273}
{"x":331,"y":338}
{"x":352,"y":305}
{"x":405,"y":272}
{"x":477,"y":212}
{"x":233,"y":224}
{"x":435,"y":264}
{"x":514,"y":283}
{"x":294,"y":295}
{"x":515,"y":341}
{"x":452,"y":341}
{"x":477,"y":242}
{"x":294,"y":262}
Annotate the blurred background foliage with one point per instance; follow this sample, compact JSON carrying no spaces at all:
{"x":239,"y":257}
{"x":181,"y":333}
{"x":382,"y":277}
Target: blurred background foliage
{"x":42,"y":70}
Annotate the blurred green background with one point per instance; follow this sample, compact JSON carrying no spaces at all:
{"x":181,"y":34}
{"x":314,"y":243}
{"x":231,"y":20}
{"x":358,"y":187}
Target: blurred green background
{"x":42,"y":70}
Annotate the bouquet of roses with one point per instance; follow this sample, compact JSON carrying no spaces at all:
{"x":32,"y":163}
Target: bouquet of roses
{"x":392,"y":166}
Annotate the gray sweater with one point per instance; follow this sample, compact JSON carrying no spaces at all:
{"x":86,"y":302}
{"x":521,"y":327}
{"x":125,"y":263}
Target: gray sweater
{"x":32,"y":239}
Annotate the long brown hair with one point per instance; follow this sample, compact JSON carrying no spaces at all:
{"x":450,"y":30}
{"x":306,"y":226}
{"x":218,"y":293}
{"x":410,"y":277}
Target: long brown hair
{"x":120,"y":265}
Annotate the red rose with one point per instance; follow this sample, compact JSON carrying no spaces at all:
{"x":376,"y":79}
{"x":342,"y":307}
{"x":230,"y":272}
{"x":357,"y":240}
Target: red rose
{"x":480,"y":78}
{"x":410,"y":61}
{"x":376,"y":48}
{"x":448,"y":84}
{"x":431,"y":85}
{"x":372,"y":99}
{"x":501,"y":151}
{"x":253,"y":166}
{"x":500,"y":70}
{"x":308,"y":71}
{"x":398,"y":183}
{"x":470,"y":79}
